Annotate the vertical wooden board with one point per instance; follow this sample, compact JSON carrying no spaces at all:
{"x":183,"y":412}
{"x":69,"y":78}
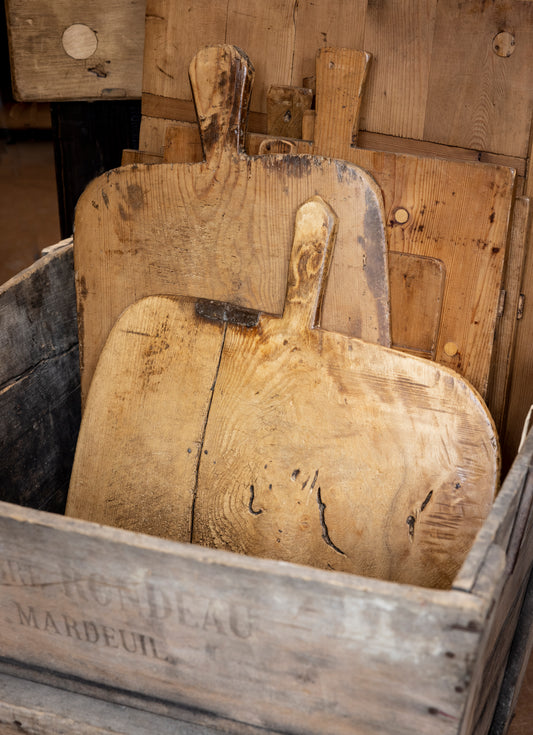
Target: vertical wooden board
{"x":318,"y":24}
{"x":417,"y":290}
{"x":71,"y":49}
{"x":466,"y":229}
{"x":479,"y":97}
{"x":174,"y":32}
{"x":264,"y":30}
{"x":498,"y":390}
{"x":521,"y":385}
{"x":400,"y":38}
{"x":39,"y":382}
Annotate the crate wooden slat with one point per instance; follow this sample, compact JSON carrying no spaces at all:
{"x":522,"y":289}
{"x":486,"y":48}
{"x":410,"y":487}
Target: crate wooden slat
{"x":236,"y":644}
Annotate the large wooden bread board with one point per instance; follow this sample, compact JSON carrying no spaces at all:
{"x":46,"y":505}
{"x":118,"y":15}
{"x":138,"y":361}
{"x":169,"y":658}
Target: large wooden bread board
{"x":222,"y":229}
{"x":284,"y":440}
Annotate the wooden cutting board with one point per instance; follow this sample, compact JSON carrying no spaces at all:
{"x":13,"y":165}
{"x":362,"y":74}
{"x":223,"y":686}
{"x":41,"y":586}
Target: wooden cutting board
{"x":222,"y":228}
{"x":285,"y":440}
{"x":457,"y":212}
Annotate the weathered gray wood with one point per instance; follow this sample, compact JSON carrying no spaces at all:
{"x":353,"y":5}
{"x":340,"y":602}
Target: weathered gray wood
{"x":263,"y":643}
{"x":37,"y":314}
{"x":514,"y":539}
{"x":39,"y":709}
{"x":39,"y":382}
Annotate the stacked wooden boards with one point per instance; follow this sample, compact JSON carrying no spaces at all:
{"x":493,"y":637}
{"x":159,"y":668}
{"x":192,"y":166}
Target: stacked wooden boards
{"x":283,"y":440}
{"x":222,"y":229}
{"x":452,"y":216}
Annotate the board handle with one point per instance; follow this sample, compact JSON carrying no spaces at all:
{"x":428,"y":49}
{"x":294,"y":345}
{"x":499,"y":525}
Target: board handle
{"x":315,"y":230}
{"x":340,"y":79}
{"x":221,"y":79}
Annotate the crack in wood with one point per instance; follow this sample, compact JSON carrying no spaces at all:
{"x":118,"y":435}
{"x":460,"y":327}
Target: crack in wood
{"x":322,"y":509}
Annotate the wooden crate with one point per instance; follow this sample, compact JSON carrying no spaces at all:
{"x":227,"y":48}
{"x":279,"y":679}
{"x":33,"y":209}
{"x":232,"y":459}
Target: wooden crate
{"x":103,"y":630}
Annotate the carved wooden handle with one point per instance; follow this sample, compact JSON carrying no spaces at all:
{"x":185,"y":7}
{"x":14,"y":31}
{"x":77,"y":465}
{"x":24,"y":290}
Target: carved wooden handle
{"x":314,"y":237}
{"x":221,"y":79}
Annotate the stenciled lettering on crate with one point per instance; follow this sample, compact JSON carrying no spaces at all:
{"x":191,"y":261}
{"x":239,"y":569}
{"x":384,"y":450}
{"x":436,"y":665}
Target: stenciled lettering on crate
{"x":146,"y":601}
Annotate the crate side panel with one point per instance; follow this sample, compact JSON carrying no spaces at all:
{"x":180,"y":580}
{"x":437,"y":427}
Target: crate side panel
{"x":263,"y":643}
{"x":39,"y":383}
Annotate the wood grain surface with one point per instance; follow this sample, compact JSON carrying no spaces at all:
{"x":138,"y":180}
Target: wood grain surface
{"x":222,"y":229}
{"x":455,"y":211}
{"x":284,"y":440}
{"x":436,"y":74}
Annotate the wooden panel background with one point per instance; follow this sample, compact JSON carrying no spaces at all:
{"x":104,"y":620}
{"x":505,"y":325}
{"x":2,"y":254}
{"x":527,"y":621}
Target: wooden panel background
{"x":435,"y":74}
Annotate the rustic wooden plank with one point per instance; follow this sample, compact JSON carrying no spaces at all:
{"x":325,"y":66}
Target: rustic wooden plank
{"x":521,"y":381}
{"x":515,"y":671}
{"x":339,"y":23}
{"x":416,"y":287}
{"x":45,"y":710}
{"x":505,"y":335}
{"x":39,"y":385}
{"x":474,"y":83}
{"x":37,"y":314}
{"x":147,"y":217}
{"x":400,"y":39}
{"x":76,"y":50}
{"x":230,"y":635}
{"x":500,"y":629}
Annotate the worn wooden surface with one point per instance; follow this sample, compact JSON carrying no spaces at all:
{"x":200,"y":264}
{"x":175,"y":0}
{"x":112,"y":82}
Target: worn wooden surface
{"x":228,"y":635}
{"x":73,"y":50}
{"x":222,"y":229}
{"x":457,"y":212}
{"x":416,"y":289}
{"x":426,"y":57}
{"x":213,"y":639}
{"x":39,"y":383}
{"x":40,"y":709}
{"x":264,"y":469}
{"x":510,"y":316}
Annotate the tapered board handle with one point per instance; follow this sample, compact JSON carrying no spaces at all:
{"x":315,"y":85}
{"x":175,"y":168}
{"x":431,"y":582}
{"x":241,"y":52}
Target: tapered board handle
{"x":221,"y":79}
{"x":314,"y":237}
{"x":340,"y":79}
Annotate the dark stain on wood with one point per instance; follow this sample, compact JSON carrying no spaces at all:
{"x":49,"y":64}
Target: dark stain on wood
{"x":221,"y":311}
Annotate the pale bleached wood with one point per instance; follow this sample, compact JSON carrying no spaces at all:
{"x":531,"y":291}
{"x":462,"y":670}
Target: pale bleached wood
{"x":416,"y":288}
{"x":68,"y":49}
{"x":498,"y":392}
{"x":136,"y":460}
{"x":476,"y":112}
{"x":340,"y":80}
{"x":296,"y":417}
{"x":222,"y":229}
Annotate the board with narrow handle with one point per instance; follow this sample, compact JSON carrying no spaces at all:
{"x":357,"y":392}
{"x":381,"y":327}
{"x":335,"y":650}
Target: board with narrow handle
{"x":455,"y":211}
{"x":222,"y":228}
{"x":281,"y":439}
